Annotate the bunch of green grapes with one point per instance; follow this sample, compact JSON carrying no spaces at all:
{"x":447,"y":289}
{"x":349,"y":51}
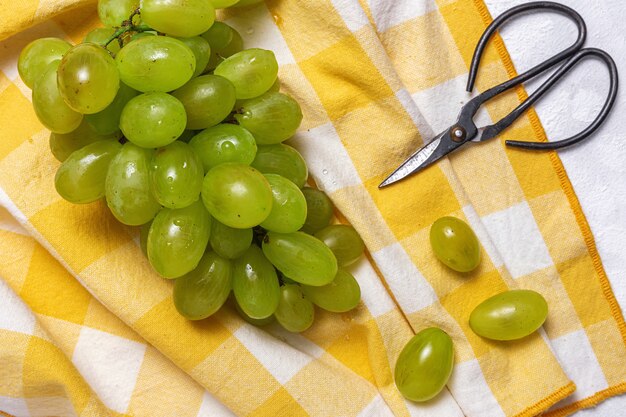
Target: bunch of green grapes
{"x":167,"y":117}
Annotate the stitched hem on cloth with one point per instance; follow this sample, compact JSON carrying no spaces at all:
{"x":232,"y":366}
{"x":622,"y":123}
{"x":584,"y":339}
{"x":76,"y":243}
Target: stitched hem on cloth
{"x":585,"y":229}
{"x":549,"y":401}
{"x":588,"y":402}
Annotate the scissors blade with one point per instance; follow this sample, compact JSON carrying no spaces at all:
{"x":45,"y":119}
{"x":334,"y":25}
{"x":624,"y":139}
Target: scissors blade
{"x":436,"y":149}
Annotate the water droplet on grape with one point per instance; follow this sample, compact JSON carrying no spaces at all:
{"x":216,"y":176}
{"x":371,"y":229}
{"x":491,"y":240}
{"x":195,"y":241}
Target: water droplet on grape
{"x":325,"y":172}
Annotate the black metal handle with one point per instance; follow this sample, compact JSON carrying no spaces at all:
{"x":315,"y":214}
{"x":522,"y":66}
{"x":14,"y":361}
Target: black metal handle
{"x":608,"y":105}
{"x":503,"y":18}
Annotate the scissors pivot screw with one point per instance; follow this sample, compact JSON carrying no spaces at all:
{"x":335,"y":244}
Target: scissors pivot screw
{"x":458,"y":134}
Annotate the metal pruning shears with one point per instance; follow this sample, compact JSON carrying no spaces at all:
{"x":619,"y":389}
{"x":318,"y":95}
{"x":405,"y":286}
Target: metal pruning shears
{"x":464,"y":130}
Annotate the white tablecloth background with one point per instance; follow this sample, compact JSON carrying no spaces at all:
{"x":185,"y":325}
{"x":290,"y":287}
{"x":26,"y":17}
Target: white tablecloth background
{"x":597,"y":168}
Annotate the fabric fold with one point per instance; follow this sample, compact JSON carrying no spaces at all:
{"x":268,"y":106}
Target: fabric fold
{"x":374,"y":81}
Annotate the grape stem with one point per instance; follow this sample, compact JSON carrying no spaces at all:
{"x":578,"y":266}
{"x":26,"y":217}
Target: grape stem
{"x":128,"y":26}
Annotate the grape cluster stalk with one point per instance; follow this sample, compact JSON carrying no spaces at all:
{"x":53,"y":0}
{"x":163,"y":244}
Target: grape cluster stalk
{"x":164,"y":115}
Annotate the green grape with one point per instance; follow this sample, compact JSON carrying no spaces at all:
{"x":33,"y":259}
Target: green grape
{"x":425,"y":365}
{"x":176,"y":173}
{"x":207,"y":99}
{"x":256,"y":322}
{"x":237,"y":195}
{"x":50,"y":107}
{"x":156,"y":63}
{"x":319,"y":210}
{"x":289,"y":207}
{"x":143,"y":237}
{"x":255,"y":284}
{"x":301,"y":257}
{"x":283,"y":160}
{"x":154,"y":119}
{"x":271,"y":118}
{"x":224,"y":143}
{"x":80,"y":179}
{"x":107,"y":121}
{"x":224,"y":40}
{"x":228,"y":242}
{"x":178,"y":238}
{"x":455,"y":244}
{"x":114,"y":12}
{"x":242,"y":3}
{"x":184,"y":18}
{"x":63,"y":144}
{"x":88,"y":78}
{"x":100,"y":36}
{"x":341,"y":295}
{"x":140,"y":35}
{"x":202,"y":292}
{"x":37,"y":55}
{"x":252,"y":71}
{"x":294,"y":312}
{"x":275,"y":88}
{"x":344,"y":241}
{"x":187,"y":136}
{"x":221,"y":4}
{"x":201,"y":50}
{"x":509,"y":315}
{"x":128,"y":190}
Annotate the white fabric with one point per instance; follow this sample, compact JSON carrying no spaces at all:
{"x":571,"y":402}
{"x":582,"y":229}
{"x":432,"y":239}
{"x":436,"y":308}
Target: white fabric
{"x":597,"y":168}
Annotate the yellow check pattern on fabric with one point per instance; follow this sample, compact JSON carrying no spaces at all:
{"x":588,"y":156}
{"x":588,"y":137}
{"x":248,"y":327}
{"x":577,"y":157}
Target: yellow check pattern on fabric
{"x":88,"y":329}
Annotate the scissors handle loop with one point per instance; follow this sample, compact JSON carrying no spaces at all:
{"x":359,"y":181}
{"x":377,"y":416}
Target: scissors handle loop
{"x":571,"y":56}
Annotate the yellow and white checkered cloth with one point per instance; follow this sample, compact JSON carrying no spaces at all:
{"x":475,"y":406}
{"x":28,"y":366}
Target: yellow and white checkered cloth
{"x":87,"y":329}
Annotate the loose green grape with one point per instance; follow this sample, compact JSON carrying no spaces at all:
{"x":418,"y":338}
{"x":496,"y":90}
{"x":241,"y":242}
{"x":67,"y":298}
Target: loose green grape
{"x":455,"y":244}
{"x":88,"y":78}
{"x":283,"y":160}
{"x":202,"y":292}
{"x":221,"y":4}
{"x":252,"y":71}
{"x":143,"y":237}
{"x":425,"y":365}
{"x":237,"y":195}
{"x":37,"y":55}
{"x":184,"y":18}
{"x":255,"y":284}
{"x":344,"y":241}
{"x":228,"y":242}
{"x":289,"y":207}
{"x":152,"y":120}
{"x":156,"y":63}
{"x":50,"y":107}
{"x":294,"y":312}
{"x":225,"y":42}
{"x":319,"y":210}
{"x":224,"y":143}
{"x":509,"y":315}
{"x":301,"y":257}
{"x":114,"y":12}
{"x":176,"y":173}
{"x":100,"y":36}
{"x":207,"y":99}
{"x":201,"y":50}
{"x":128,"y":189}
{"x":107,"y":121}
{"x":177,"y":239}
{"x":271,"y":118}
{"x":62,"y":145}
{"x":341,"y":295}
{"x":80,"y":179}
{"x":256,"y":322}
